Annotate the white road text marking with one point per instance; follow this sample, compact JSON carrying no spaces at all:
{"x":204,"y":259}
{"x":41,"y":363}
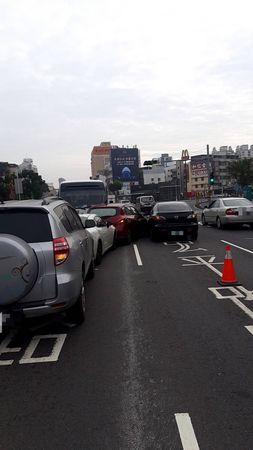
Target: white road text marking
{"x":137,"y":254}
{"x":186,"y":431}
{"x":56,"y":350}
{"x":5,"y":349}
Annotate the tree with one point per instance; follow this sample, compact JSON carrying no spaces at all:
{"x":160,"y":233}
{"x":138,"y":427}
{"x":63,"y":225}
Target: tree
{"x":33,"y":185}
{"x":7,"y":186}
{"x":115,"y":186}
{"x":242,"y":171}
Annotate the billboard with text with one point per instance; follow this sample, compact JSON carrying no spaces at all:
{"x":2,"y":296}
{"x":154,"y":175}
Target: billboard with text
{"x":125,"y":164}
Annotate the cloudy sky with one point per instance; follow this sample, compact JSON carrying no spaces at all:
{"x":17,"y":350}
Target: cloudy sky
{"x":162,"y":74}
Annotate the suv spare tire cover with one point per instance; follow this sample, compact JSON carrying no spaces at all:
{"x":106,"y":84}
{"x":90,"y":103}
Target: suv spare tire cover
{"x":18,"y":269}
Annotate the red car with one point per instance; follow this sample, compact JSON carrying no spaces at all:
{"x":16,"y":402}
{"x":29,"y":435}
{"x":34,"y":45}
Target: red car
{"x":129,"y":223}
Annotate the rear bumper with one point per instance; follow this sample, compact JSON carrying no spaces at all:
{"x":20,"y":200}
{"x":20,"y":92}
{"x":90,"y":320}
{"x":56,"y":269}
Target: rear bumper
{"x":236,"y":220}
{"x":68,"y":292}
{"x":167,"y":228}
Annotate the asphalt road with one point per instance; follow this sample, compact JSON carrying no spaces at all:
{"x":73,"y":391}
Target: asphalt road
{"x":162,"y":362}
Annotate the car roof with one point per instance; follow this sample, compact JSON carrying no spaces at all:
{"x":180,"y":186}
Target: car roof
{"x":46,"y":203}
{"x":174,"y":202}
{"x":110,"y":205}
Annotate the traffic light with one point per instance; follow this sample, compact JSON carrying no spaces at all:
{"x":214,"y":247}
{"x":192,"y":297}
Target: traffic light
{"x":211,"y":178}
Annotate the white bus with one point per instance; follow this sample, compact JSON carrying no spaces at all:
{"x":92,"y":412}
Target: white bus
{"x":84,"y":193}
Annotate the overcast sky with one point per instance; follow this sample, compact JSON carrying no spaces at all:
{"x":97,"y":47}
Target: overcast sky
{"x":164,"y":75}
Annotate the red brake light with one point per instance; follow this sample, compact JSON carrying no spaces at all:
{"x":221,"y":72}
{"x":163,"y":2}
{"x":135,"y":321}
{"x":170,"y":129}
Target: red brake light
{"x":158,"y":218}
{"x":61,"y":250}
{"x":231,"y":212}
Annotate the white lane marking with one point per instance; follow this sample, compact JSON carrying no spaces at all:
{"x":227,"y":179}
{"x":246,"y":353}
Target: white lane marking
{"x":196,"y":249}
{"x":249,"y":328}
{"x":186,"y":431}
{"x":137,"y":254}
{"x":234,"y":293}
{"x":59,"y":341}
{"x":242,"y":307}
{"x":5,"y":349}
{"x":237,"y":246}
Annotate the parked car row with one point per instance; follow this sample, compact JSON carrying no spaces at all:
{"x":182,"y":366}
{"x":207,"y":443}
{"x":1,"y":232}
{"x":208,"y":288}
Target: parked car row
{"x":48,"y":249}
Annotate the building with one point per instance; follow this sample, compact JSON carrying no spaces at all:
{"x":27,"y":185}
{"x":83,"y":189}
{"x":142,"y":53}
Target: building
{"x":220,"y":166}
{"x":164,"y":159}
{"x":27,"y":164}
{"x":198,"y":174}
{"x":153,"y":174}
{"x":101,"y":159}
{"x":243,"y":151}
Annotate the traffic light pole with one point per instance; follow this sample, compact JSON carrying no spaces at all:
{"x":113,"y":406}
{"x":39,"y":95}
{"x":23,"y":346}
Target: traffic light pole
{"x":208,"y":166}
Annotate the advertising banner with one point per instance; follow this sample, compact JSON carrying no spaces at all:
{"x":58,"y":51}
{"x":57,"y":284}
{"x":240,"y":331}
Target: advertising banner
{"x":125,"y":164}
{"x":199,"y":169}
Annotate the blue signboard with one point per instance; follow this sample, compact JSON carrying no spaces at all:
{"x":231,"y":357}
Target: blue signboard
{"x":125,"y":164}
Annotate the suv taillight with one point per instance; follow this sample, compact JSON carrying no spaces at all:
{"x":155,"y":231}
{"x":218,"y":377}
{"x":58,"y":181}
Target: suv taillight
{"x":61,"y":250}
{"x":232,"y":212}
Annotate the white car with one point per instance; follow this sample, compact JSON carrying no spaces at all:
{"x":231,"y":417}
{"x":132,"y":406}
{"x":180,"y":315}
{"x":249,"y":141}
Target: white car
{"x":102,"y":233}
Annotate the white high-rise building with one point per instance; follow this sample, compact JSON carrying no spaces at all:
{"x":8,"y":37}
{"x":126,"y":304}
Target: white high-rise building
{"x":27,"y":164}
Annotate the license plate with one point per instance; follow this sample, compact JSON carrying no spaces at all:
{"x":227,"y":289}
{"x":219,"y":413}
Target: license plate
{"x":177,"y":233}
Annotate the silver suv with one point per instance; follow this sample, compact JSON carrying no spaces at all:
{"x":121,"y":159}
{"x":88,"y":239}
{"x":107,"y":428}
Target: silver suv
{"x":45,"y":257}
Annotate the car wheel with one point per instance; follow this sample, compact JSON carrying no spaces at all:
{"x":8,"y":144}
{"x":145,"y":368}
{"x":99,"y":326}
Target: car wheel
{"x":129,"y":237}
{"x":152,"y":235}
{"x":99,"y":254}
{"x":91,"y":271}
{"x":204,"y":222}
{"x":114,"y":244}
{"x":194,"y":236}
{"x":76,"y":313}
{"x":218,"y":223}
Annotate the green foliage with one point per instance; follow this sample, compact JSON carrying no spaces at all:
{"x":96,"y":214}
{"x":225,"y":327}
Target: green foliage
{"x":6,"y":186}
{"x":242,"y":171}
{"x":33,"y":185}
{"x":115,"y":186}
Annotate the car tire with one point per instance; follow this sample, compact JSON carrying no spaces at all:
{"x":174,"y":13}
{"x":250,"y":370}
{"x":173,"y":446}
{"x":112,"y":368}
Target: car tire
{"x":99,"y":254}
{"x":91,"y":271}
{"x":76,"y":313}
{"x":152,"y":235}
{"x":114,"y":243}
{"x":219,"y":224}
{"x":203,"y":219}
{"x":194,"y":236}
{"x":128,"y":239}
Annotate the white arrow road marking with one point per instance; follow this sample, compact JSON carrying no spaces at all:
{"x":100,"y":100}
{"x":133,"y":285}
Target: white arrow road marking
{"x":183,"y":248}
{"x":186,"y":431}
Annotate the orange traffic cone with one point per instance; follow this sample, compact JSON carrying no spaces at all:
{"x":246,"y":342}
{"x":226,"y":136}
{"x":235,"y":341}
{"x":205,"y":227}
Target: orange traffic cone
{"x":228,"y":276}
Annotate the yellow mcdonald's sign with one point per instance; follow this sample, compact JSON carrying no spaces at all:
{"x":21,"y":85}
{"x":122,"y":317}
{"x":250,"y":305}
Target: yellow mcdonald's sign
{"x":185,"y":155}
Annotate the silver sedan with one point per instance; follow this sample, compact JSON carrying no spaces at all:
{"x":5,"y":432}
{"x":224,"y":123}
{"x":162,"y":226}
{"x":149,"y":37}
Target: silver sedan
{"x":228,"y":211}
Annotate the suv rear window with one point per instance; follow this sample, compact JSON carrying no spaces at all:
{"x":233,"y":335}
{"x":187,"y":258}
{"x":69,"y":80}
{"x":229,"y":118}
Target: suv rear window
{"x":28,"y":224}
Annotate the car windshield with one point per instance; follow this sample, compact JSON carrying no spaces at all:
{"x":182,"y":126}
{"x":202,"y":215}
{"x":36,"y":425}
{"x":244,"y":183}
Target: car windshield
{"x":172,"y":207}
{"x":105,"y":212}
{"x":80,"y":198}
{"x":237,"y":202}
